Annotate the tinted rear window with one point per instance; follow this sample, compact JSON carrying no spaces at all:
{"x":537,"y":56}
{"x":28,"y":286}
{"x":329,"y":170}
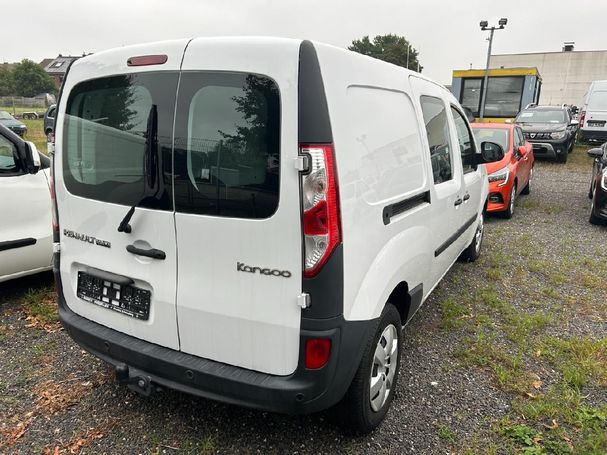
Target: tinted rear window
{"x":227,"y":145}
{"x":108,"y":126}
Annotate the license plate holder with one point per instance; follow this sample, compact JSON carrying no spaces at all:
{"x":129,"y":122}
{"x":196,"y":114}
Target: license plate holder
{"x":596,"y":124}
{"x":122,"y":298}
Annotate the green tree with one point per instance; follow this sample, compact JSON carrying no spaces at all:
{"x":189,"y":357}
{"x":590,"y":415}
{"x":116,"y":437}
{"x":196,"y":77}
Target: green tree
{"x":30,"y":79}
{"x":6,"y":81}
{"x":389,"y":48}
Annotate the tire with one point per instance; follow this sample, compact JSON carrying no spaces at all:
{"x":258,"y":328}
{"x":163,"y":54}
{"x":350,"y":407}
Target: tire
{"x":571,"y":145}
{"x":357,"y":411}
{"x":593,"y":219}
{"x":527,"y":188}
{"x":562,"y":158}
{"x":510,"y":210}
{"x":473,"y":251}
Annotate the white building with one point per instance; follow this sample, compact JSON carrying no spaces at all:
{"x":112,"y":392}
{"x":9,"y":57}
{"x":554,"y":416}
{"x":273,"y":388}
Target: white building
{"x":566,"y":75}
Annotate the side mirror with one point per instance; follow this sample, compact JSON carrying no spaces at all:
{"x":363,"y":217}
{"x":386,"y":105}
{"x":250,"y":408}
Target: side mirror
{"x":490,"y":152}
{"x":509,"y":120}
{"x":32,"y":158}
{"x":595,"y":152}
{"x":574,"y":122}
{"x":522,"y":150}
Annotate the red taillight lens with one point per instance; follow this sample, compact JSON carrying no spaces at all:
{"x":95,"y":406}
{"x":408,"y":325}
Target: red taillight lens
{"x":582,"y":118}
{"x":144,"y":60}
{"x":318,"y":351}
{"x":321,"y":223}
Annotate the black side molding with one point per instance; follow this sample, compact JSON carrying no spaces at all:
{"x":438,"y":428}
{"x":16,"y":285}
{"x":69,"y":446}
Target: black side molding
{"x":455,"y":236}
{"x":20,"y":243}
{"x":314,"y":122}
{"x":406,"y":204}
{"x":415,"y":295}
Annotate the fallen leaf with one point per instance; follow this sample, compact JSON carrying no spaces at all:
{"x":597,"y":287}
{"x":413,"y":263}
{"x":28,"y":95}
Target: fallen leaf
{"x":537,"y":384}
{"x":553,"y":426}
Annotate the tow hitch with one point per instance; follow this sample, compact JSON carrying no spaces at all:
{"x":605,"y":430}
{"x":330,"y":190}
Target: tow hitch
{"x":135,"y":380}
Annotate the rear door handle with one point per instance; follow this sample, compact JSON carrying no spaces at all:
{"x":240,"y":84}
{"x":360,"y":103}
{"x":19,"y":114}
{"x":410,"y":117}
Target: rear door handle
{"x":150,"y":253}
{"x":466,"y":197}
{"x":458,"y":202}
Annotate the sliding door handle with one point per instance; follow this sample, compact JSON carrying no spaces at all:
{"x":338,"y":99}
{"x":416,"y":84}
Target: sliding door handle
{"x":466,"y":197}
{"x":150,"y":253}
{"x":458,"y":202}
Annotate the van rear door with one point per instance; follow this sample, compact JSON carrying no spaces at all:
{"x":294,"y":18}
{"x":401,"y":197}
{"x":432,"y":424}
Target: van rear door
{"x":114,"y":152}
{"x":237,"y":203}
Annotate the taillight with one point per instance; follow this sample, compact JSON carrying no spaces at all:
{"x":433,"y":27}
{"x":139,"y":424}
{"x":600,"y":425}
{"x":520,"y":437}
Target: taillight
{"x":318,"y":351}
{"x":582,"y":118}
{"x":321,"y":223}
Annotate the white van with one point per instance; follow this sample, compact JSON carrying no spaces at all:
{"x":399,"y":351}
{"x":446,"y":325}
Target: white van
{"x":253,"y":220}
{"x":593,"y":119}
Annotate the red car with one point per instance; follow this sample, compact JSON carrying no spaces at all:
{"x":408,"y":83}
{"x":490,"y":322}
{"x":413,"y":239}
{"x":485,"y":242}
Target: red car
{"x":511,"y":176}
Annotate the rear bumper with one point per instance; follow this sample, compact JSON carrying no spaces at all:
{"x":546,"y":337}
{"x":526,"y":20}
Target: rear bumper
{"x":302,"y":392}
{"x":593,"y":136}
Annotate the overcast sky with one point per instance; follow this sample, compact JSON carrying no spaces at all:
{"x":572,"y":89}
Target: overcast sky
{"x":446,"y":32}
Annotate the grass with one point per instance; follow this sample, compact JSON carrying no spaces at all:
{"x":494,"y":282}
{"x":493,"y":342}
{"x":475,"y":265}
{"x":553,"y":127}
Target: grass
{"x":35,"y":133}
{"x":554,"y":379}
{"x":40,"y":308}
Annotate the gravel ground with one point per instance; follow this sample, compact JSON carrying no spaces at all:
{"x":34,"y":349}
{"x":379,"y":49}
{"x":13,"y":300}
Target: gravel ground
{"x":54,"y":398}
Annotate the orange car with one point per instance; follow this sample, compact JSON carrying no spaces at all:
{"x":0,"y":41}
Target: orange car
{"x":512,"y":175}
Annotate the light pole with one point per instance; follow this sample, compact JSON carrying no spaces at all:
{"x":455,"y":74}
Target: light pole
{"x":484,"y":27}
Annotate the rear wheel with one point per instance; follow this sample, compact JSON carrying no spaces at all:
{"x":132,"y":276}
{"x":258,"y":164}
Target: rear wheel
{"x":473,"y":251}
{"x":369,"y":397}
{"x":527,"y":188}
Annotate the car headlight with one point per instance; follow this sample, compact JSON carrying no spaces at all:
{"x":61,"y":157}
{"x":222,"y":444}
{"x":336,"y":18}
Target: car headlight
{"x":558,"y":134}
{"x":500,"y":175}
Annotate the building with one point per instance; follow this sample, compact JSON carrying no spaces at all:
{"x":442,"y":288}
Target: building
{"x":566,"y":75}
{"x":57,"y":67}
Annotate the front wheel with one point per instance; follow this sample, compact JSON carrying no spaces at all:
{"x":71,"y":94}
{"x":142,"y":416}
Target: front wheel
{"x":473,"y":251}
{"x":562,"y":157}
{"x":593,"y":219}
{"x":372,"y":390}
{"x":510,"y":210}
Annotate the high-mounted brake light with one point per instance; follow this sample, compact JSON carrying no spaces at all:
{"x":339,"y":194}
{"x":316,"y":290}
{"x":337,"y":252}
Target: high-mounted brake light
{"x":321,"y":222}
{"x":144,"y":60}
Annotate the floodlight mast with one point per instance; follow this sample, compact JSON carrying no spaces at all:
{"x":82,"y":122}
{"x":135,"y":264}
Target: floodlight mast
{"x":484,"y":27}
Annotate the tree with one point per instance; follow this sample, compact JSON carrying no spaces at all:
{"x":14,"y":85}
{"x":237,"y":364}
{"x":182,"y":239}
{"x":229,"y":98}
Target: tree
{"x":30,"y":79}
{"x":389,"y":48}
{"x":6,"y":81}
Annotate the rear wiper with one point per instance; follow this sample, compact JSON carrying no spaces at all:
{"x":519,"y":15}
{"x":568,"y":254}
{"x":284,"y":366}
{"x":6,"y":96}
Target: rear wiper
{"x":150,"y":166}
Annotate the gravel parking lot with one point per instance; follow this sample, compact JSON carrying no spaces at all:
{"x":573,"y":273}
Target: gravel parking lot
{"x":508,"y":355}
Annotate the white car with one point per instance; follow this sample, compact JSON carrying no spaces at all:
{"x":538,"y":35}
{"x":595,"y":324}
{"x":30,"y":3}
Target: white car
{"x":25,"y":208}
{"x":253,"y":220}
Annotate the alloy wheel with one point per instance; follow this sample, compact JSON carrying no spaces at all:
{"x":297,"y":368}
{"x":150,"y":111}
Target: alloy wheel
{"x":384,"y":367}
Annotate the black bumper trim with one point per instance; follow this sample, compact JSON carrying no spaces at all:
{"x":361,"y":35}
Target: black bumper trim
{"x":302,"y":392}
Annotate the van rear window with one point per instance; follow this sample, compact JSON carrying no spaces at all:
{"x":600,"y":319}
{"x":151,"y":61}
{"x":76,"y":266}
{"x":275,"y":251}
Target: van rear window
{"x":109,"y":123}
{"x":227,"y":145}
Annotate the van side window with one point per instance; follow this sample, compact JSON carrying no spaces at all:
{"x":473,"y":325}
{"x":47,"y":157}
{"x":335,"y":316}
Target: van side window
{"x":437,"y":128}
{"x":464,"y":138}
{"x":227,"y":145}
{"x":7,"y":157}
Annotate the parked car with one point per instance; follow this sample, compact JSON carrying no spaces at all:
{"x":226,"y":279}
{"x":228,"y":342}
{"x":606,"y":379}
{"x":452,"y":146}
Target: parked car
{"x":282,"y":275}
{"x":25,"y":205}
{"x":550,"y":130}
{"x":49,"y":120}
{"x":593,"y":119}
{"x":598,"y":185}
{"x":12,"y":123}
{"x":513,"y":174}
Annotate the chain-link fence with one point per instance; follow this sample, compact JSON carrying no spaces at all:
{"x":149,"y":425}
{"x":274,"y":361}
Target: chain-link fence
{"x":21,"y":101}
